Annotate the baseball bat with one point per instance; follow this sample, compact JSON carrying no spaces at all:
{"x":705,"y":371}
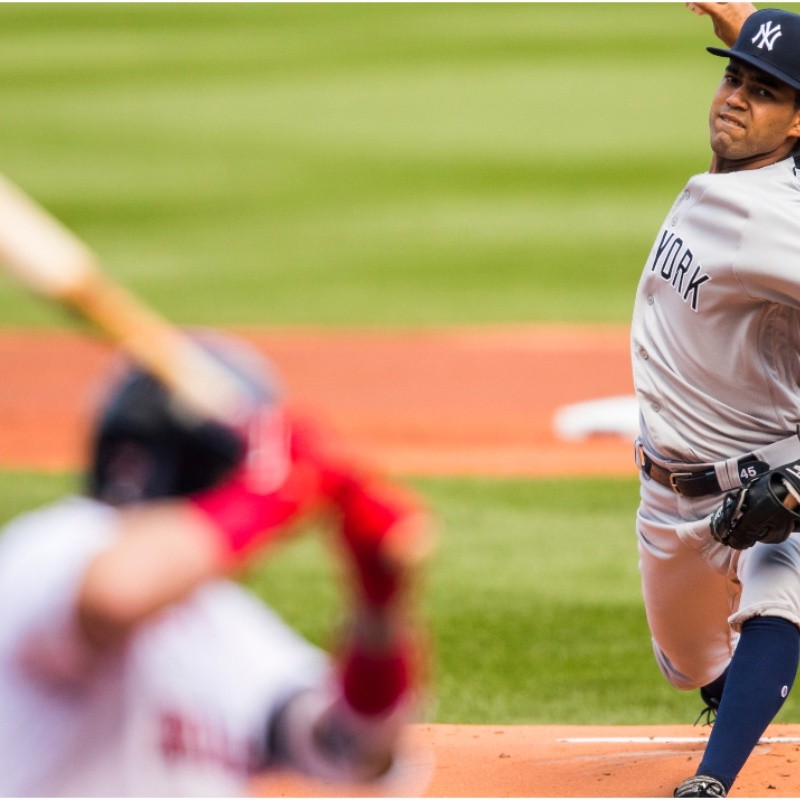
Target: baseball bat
{"x":54,"y":263}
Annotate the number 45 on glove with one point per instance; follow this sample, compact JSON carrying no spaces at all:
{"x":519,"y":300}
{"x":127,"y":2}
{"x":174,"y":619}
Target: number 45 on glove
{"x":764,"y":510}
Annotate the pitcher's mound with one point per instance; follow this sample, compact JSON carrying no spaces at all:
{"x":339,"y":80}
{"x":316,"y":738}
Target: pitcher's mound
{"x":563,"y":761}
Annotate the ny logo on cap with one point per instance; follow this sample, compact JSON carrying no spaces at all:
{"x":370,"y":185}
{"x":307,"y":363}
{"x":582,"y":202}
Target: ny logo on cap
{"x":767,"y":34}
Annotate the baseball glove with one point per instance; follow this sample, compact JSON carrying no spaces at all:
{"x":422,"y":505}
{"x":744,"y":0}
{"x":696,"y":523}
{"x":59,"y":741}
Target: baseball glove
{"x":763,"y":510}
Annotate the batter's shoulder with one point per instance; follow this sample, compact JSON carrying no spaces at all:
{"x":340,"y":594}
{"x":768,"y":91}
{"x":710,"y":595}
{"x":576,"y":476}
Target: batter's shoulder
{"x":56,"y":529}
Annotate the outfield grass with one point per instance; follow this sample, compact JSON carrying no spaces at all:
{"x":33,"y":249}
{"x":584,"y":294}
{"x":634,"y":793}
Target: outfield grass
{"x":532,"y":601}
{"x":358,"y":163}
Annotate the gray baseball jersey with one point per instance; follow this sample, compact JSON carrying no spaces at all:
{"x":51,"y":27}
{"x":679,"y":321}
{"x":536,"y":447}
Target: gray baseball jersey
{"x":716,"y":327}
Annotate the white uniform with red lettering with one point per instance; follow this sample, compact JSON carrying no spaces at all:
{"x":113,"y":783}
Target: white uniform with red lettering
{"x":716,"y":359}
{"x":181,"y":708}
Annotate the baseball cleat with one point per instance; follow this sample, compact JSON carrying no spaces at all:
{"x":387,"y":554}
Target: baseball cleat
{"x":700,"y":786}
{"x":709,"y":713}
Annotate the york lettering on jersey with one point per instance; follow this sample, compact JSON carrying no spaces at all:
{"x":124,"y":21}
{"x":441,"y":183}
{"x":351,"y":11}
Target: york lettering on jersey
{"x":676,"y":264}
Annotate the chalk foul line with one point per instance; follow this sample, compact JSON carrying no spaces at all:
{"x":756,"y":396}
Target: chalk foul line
{"x":667,"y":740}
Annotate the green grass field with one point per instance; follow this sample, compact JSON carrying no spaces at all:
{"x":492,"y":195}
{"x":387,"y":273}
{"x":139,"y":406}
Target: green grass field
{"x":532,"y":600}
{"x":364,"y":163}
{"x":390,"y":164}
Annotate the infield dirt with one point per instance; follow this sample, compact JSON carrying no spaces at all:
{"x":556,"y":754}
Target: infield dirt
{"x":453,"y":401}
{"x":445,"y":401}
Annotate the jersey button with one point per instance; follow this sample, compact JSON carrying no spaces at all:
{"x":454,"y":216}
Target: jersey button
{"x":643,"y":353}
{"x":650,"y":299}
{"x":674,"y":221}
{"x":656,"y":407}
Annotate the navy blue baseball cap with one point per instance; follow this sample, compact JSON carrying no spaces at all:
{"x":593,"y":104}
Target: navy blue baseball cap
{"x":770,"y":41}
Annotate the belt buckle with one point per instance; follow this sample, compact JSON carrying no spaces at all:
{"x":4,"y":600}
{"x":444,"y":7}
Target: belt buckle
{"x":673,"y":476}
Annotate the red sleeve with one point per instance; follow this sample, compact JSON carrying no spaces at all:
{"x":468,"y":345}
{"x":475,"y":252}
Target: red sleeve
{"x":323,"y":473}
{"x":247,"y":519}
{"x":369,"y":505}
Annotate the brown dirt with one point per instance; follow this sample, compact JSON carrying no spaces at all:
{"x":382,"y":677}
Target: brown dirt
{"x":536,"y":761}
{"x":458,"y":401}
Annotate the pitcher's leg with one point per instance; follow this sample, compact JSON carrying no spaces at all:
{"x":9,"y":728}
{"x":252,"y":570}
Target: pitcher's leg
{"x":688,"y":600}
{"x":765,"y":663}
{"x":761,"y":675}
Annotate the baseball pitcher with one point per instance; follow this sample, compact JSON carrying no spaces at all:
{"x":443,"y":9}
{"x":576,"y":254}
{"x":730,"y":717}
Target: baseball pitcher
{"x":715,"y":345}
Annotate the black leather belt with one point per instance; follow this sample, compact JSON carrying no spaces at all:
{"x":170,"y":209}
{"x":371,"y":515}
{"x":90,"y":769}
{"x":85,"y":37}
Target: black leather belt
{"x":695,"y":484}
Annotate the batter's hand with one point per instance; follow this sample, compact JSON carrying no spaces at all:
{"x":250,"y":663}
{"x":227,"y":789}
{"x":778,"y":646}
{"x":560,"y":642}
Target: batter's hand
{"x":727,"y":18}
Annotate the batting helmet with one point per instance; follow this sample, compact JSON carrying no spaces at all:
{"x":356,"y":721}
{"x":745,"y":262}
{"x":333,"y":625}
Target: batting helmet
{"x":146,"y":445}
